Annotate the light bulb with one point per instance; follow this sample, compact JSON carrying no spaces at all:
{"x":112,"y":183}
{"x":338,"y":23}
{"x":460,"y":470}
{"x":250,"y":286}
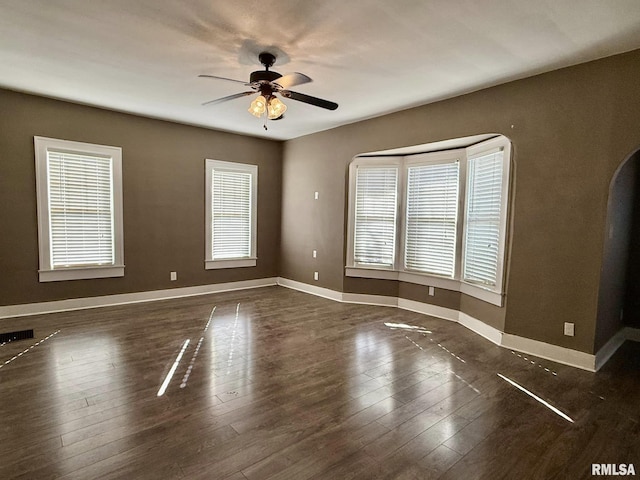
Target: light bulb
{"x":258,"y":106}
{"x":276,"y":108}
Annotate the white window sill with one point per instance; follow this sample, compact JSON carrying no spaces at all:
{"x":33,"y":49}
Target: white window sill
{"x":81,"y":273}
{"x":455,"y":285}
{"x":231,"y":263}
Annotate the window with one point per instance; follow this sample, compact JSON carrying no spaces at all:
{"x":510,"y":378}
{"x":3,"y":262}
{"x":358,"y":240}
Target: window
{"x":231,"y":201}
{"x":431,"y":217}
{"x":375,"y":216}
{"x":79,"y":188}
{"x":451,"y":224}
{"x":484,"y":219}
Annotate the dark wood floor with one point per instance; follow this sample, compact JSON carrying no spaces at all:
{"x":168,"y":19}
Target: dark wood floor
{"x":286,"y":385}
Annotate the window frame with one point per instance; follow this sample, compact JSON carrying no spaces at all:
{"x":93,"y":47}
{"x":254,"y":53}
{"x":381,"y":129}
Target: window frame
{"x":380,"y":162}
{"x":46,"y":272}
{"x":435,"y":158}
{"x":399,"y":272}
{"x":251,"y":261}
{"x":471,"y":288}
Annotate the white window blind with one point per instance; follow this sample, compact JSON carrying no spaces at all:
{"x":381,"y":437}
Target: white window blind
{"x":81,"y":221}
{"x":231,"y":202}
{"x":482,"y":220}
{"x":431,"y":218}
{"x":375,"y":215}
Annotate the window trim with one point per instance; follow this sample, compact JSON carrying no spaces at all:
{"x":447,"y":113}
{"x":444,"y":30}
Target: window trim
{"x":435,"y":158}
{"x":210,"y":263}
{"x":475,"y":151}
{"x":398,"y":272}
{"x":46,"y":272}
{"x":390,"y":162}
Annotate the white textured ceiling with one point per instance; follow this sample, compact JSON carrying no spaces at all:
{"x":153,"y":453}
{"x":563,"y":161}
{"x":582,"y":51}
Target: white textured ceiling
{"x":370,"y":56}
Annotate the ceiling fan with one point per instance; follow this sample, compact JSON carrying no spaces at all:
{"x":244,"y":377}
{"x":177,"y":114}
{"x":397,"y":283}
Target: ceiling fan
{"x":268,"y":84}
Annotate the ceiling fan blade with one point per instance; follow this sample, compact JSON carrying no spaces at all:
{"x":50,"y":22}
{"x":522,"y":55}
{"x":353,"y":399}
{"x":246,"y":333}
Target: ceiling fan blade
{"x":222,"y":78}
{"x":292,"y":79}
{"x":301,"y":97}
{"x":227,"y":98}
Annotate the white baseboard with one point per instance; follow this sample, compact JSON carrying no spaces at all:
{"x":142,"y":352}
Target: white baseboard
{"x":548,"y":351}
{"x":609,"y":348}
{"x":367,"y":299}
{"x":125,"y":298}
{"x":312,"y":289}
{"x":632,"y":334}
{"x":487,"y":331}
{"x":544,"y":350}
{"x":428,"y":309}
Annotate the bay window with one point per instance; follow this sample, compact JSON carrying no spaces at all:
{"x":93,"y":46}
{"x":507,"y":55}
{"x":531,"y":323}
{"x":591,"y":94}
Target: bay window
{"x":435,"y":218}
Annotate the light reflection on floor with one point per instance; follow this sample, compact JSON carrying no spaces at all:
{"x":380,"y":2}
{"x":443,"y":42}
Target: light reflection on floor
{"x":206,"y":327}
{"x":519,"y":355}
{"x":396,"y":326}
{"x":186,"y":376}
{"x":233,"y":339}
{"x":167,"y":380}
{"x":424,"y":332}
{"x":449,"y":352}
{"x":26,"y":350}
{"x":230,"y":363}
{"x":535,"y":397}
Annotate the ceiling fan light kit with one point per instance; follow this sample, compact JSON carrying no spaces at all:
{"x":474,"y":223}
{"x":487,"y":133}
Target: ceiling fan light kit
{"x":267,"y":83}
{"x":273,"y":106}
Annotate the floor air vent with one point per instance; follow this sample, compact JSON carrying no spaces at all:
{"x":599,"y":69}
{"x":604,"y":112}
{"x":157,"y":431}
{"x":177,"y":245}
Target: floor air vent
{"x":13,"y":336}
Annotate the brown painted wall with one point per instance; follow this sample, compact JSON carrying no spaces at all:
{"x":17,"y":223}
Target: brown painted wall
{"x":163,"y":194}
{"x":371,"y":286}
{"x":570,"y":129}
{"x":420,"y":293}
{"x":488,"y":313}
{"x":313,"y":224}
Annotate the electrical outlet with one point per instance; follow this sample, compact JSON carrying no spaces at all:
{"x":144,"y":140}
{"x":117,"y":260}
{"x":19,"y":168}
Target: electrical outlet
{"x":315,"y":254}
{"x":569,"y":329}
{"x":174,"y":276}
{"x":432,"y":291}
{"x":315,"y":275}
{"x":316,"y":195}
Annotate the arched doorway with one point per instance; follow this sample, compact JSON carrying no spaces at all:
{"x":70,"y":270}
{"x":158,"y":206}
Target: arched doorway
{"x":619,"y":294}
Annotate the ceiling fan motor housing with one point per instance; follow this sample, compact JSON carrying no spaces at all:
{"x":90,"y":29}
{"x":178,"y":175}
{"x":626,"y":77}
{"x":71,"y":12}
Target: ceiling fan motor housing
{"x":263,"y":76}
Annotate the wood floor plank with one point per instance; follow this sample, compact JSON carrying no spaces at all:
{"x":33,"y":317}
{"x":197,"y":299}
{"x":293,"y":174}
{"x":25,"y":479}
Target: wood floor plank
{"x":297,"y":386}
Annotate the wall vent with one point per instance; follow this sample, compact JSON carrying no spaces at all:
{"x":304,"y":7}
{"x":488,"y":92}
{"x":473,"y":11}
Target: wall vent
{"x":13,"y":336}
